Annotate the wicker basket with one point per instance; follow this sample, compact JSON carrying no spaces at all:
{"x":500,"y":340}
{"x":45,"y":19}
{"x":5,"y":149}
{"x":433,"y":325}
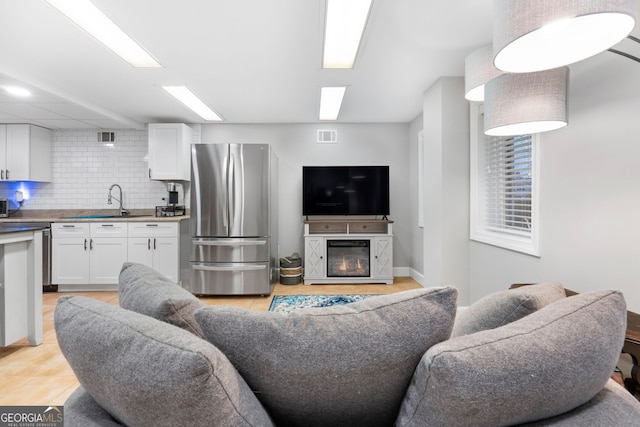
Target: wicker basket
{"x":291,"y":261}
{"x":291,"y":280}
{"x":296,"y":271}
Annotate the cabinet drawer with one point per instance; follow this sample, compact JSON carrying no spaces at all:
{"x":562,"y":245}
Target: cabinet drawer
{"x":108,"y":229}
{"x":153,"y":229}
{"x":328,"y":228}
{"x":65,"y":229}
{"x":367,"y":227}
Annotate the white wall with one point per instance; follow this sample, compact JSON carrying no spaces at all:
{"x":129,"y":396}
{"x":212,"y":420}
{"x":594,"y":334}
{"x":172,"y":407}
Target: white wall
{"x":590,"y":194}
{"x":446,"y":186}
{"x":358,"y":144}
{"x":416,"y":254}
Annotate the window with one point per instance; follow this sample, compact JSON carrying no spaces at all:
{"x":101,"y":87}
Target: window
{"x":504,"y":189}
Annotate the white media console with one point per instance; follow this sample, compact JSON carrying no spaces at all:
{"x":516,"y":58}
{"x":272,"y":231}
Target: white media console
{"x":348,"y":251}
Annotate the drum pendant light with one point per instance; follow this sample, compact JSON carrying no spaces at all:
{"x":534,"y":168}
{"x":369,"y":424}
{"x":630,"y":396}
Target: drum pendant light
{"x":526,"y":103}
{"x":478,"y":70}
{"x":544,"y":34}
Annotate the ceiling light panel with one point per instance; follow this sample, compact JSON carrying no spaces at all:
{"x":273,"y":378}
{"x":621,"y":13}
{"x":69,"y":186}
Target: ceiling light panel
{"x":330,"y":102}
{"x":96,"y":23}
{"x":344,"y":25}
{"x":188,"y":98}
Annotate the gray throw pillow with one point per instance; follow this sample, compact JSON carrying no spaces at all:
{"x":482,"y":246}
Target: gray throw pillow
{"x":540,"y":366}
{"x":146,"y":372}
{"x":144,"y":290}
{"x":344,"y":365}
{"x":501,"y":308}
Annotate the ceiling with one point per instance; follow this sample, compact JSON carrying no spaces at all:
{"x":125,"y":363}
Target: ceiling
{"x":252,"y":61}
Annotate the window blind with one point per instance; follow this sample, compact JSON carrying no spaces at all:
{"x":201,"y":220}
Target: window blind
{"x":508,"y":179}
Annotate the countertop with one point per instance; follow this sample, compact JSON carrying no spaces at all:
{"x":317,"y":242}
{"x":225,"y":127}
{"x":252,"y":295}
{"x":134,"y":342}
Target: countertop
{"x":67,"y":215}
{"x":8,"y":227}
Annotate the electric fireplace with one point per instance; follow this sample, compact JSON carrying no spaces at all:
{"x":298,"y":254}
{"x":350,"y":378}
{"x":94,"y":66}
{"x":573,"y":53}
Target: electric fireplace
{"x":348,"y":258}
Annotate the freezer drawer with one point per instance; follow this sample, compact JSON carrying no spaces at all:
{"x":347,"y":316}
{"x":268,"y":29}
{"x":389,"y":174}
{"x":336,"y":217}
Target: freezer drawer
{"x":230,"y":250}
{"x":230,"y":278}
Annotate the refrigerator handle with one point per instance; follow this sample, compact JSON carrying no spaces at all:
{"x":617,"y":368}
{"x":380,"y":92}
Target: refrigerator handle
{"x":229,"y":243}
{"x":231,"y":183}
{"x":229,"y":267}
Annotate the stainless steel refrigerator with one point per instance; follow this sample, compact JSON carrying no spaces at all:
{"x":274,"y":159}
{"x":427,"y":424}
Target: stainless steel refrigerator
{"x":234,"y":221}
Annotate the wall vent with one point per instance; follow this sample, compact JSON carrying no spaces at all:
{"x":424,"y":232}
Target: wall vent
{"x":107,"y":137}
{"x":327,"y":136}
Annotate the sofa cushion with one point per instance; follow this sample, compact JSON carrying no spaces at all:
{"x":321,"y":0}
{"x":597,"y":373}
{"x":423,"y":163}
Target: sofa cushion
{"x":540,"y":366}
{"x":80,"y":410}
{"x":144,"y":290}
{"x":501,"y":308}
{"x":612,"y":406}
{"x":146,"y":372}
{"x":339,"y":365}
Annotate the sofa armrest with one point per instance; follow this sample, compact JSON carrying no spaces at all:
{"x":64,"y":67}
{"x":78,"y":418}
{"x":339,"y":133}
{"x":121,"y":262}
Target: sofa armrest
{"x":80,"y":410}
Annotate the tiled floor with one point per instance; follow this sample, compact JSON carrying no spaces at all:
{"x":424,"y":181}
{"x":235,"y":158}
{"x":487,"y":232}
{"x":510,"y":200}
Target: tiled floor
{"x":41,"y":376}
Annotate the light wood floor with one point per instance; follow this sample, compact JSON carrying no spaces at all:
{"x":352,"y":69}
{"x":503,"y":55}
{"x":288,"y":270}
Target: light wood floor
{"x":41,"y":376}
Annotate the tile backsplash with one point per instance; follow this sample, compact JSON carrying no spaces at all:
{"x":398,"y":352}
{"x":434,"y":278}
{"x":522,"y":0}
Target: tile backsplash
{"x":83,"y":169}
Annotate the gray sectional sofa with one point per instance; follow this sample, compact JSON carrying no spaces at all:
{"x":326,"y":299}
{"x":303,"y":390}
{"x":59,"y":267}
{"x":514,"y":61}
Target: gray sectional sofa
{"x":527,"y":356}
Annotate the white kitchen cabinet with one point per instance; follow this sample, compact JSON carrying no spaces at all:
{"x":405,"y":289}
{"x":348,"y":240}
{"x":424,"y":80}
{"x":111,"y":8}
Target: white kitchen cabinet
{"x":169,"y":151}
{"x":25,"y":153}
{"x":88,"y":253}
{"x":107,"y":252}
{"x":69,"y":253}
{"x":157,"y":245}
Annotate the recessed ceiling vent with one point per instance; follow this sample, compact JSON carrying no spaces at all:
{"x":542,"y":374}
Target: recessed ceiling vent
{"x":107,"y":137}
{"x":327,"y":136}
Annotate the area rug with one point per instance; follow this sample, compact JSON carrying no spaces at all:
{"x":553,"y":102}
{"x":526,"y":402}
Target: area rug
{"x":288,"y":303}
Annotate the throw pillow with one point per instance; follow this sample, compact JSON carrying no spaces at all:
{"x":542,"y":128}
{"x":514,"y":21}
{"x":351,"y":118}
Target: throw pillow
{"x":146,"y":372}
{"x":540,"y":366}
{"x":144,"y":290}
{"x":339,"y":365}
{"x":504,"y":307}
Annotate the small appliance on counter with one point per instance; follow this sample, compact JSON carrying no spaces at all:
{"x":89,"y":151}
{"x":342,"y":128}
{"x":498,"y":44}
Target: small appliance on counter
{"x":4,"y":207}
{"x":172,"y":208}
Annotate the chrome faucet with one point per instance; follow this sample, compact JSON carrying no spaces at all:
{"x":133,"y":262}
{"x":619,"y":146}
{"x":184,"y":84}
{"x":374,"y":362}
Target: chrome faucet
{"x":122,"y":210}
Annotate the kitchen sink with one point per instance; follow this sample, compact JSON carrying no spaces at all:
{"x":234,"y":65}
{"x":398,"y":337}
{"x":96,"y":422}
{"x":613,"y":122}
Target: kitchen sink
{"x":104,"y":216}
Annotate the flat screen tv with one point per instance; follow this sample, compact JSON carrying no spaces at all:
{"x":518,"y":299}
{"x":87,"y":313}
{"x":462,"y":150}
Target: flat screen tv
{"x":345,"y":190}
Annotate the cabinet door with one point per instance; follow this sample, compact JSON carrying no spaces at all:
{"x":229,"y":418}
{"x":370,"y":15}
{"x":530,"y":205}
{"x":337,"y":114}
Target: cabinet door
{"x":70,"y":260}
{"x":140,"y":250}
{"x":383,"y":257}
{"x":18,"y":153}
{"x":107,"y":257}
{"x":3,"y":150}
{"x":169,"y":151}
{"x":314,"y":262}
{"x":165,"y":257}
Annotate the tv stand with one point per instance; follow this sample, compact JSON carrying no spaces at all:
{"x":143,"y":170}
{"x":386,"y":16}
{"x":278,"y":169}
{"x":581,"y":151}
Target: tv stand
{"x":374,"y":234}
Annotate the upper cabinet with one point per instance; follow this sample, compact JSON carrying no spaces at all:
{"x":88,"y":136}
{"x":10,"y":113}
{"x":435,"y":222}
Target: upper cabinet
{"x":25,"y":153}
{"x":169,"y":151}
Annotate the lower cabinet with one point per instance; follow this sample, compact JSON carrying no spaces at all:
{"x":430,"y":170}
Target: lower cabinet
{"x":156,"y":245}
{"x":86,"y":255}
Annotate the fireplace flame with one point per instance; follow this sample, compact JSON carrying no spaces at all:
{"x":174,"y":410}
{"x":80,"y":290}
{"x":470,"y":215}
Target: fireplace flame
{"x":359,"y":265}
{"x":344,"y":266}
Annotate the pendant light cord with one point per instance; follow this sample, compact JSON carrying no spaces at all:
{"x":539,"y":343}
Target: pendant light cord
{"x":625,"y":54}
